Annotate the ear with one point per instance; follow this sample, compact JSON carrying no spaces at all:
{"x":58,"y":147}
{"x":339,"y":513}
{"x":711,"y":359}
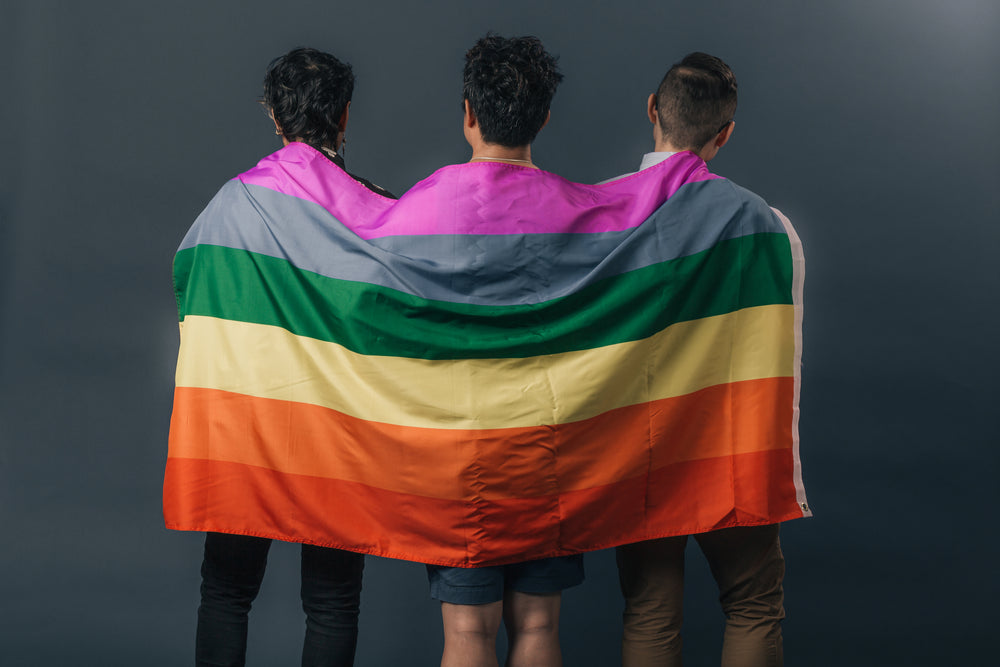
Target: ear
{"x":343,"y":117}
{"x":277,"y":128}
{"x":651,"y":112}
{"x":548,"y":115}
{"x":470,"y":117}
{"x":723,"y":137}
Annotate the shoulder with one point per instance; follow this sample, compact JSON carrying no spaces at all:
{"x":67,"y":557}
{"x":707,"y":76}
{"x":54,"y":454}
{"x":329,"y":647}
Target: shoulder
{"x":754,"y":207}
{"x":751,"y":198}
{"x":377,"y":189}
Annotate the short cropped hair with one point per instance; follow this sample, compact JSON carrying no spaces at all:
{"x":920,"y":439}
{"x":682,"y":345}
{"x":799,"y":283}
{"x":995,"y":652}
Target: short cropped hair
{"x":307,"y":91}
{"x":509,"y":84}
{"x":696,"y":100}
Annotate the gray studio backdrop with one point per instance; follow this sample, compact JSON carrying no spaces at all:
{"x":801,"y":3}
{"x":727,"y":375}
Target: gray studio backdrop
{"x":871,"y":124}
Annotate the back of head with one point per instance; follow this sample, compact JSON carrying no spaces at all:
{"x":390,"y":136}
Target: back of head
{"x":307,"y":91}
{"x":695,"y":100}
{"x":509,"y":84}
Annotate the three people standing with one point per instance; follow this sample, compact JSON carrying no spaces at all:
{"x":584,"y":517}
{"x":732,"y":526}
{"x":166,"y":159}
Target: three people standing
{"x":508,"y":88}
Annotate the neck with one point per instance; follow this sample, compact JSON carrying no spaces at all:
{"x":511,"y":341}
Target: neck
{"x":519,"y":155}
{"x":706,"y":152}
{"x":664,"y":146}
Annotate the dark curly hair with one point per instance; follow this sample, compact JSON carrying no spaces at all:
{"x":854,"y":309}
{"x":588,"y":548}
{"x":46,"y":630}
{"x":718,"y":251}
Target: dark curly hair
{"x":307,"y":91}
{"x":509,"y":84}
{"x":696,"y":100}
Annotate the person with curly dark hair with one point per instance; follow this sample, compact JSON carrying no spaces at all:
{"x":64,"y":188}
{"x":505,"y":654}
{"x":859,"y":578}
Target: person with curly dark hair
{"x":508,"y":89}
{"x":508,"y":86}
{"x":307,"y":93}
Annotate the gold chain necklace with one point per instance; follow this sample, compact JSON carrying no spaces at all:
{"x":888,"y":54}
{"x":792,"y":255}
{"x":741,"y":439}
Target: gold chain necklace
{"x":500,"y":159}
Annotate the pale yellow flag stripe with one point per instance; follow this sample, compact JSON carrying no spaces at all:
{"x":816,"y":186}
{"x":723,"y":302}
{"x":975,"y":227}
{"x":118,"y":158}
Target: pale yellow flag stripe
{"x":269,"y":362}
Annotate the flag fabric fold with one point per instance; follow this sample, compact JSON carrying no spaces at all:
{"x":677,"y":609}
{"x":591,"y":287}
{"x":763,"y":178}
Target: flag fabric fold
{"x":500,"y":366}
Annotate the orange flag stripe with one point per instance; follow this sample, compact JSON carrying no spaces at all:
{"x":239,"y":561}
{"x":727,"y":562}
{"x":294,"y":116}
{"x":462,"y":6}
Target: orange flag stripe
{"x":305,"y":439}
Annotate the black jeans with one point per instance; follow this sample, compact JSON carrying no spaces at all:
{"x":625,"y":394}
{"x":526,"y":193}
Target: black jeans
{"x":230,"y":579}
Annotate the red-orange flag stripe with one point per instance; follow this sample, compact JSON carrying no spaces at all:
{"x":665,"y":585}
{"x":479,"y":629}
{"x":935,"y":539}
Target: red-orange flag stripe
{"x":690,"y":496}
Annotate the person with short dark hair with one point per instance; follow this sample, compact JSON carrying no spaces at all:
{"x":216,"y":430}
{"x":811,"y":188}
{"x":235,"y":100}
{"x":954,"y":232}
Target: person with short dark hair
{"x":694,"y":106}
{"x":508,"y":86}
{"x":508,"y":89}
{"x":307,"y":93}
{"x":693,"y":110}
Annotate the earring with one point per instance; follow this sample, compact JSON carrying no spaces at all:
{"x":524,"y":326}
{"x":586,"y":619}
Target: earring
{"x":277,"y":131}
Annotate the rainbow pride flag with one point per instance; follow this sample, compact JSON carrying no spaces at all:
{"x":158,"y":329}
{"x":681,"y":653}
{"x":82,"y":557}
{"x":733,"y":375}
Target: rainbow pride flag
{"x":501,"y":366}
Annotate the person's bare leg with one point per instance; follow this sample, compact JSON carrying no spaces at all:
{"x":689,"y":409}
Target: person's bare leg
{"x":532,"y":622}
{"x":470,"y":634}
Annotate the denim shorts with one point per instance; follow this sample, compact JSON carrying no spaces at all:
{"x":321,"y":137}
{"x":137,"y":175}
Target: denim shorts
{"x":482,"y":585}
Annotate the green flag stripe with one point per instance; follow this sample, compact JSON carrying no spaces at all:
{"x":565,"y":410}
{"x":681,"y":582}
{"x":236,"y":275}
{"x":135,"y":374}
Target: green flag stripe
{"x":239,"y":285}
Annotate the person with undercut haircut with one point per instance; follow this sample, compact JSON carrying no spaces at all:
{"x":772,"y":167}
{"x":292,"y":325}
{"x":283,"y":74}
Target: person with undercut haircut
{"x":693,"y":111}
{"x":508,"y":89}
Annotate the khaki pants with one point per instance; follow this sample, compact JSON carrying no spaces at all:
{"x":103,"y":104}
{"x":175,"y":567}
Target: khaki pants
{"x":748,"y":567}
